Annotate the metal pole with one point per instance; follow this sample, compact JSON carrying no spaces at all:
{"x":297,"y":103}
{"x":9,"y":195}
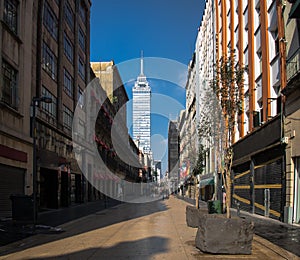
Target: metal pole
{"x":34,"y":173}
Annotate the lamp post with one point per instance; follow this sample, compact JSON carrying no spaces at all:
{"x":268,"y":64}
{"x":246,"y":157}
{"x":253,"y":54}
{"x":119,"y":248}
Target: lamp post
{"x":34,"y":103}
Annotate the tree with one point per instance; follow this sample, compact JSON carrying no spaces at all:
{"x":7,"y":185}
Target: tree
{"x":228,"y":88}
{"x":199,"y":168}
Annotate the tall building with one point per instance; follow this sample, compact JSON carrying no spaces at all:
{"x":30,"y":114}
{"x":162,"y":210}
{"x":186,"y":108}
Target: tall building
{"x":46,"y":54}
{"x":61,"y":62}
{"x":141,"y":111}
{"x":173,"y":154}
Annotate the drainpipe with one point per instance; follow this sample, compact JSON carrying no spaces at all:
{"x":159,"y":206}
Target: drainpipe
{"x":283,"y":80}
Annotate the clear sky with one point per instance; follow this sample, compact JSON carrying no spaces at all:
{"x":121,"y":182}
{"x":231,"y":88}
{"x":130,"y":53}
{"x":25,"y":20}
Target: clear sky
{"x":120,"y":29}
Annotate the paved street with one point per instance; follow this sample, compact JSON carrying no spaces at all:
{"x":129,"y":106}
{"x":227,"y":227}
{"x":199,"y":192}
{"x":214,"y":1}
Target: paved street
{"x":155,"y":230}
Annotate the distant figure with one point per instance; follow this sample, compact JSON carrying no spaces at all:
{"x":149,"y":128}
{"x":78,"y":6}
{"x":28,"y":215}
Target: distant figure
{"x":224,"y":199}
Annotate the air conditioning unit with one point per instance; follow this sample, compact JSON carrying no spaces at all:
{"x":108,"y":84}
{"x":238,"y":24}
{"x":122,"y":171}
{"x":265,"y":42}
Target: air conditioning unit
{"x":285,"y":140}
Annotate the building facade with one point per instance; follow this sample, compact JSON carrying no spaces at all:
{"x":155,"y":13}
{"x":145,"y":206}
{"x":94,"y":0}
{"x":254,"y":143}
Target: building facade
{"x":141,"y":111}
{"x":61,"y":70}
{"x":15,"y":98}
{"x":46,"y":54}
{"x":292,"y":112}
{"x":252,"y":35}
{"x":116,"y":131}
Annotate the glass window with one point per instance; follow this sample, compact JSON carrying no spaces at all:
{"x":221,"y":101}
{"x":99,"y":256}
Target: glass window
{"x":81,"y":68}
{"x":9,"y":88}
{"x":68,"y":117}
{"x":10,"y":14}
{"x":68,"y":48}
{"x":80,"y":97}
{"x":82,"y":12}
{"x":50,"y":21}
{"x":69,"y":15}
{"x":49,"y":62}
{"x":49,"y":108}
{"x":81,"y":39}
{"x":68,"y":83}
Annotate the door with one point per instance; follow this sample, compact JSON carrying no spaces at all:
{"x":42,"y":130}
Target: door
{"x":296,"y":210}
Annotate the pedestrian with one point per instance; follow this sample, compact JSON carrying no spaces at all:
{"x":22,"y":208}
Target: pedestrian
{"x":224,"y":199}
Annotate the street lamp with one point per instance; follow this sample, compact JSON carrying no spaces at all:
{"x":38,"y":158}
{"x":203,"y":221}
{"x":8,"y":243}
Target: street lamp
{"x":34,"y":103}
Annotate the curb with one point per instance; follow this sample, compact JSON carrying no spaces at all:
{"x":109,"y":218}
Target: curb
{"x":276,"y":249}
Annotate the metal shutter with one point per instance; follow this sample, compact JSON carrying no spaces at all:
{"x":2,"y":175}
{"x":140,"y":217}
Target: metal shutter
{"x":11,"y":182}
{"x":269,"y":176}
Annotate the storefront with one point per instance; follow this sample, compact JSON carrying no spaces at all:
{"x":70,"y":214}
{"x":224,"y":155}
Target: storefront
{"x":258,"y":172}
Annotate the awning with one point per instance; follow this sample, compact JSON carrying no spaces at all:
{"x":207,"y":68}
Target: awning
{"x":206,"y":182}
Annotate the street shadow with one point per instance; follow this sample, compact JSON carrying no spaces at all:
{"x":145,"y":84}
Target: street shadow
{"x":97,"y":220}
{"x":145,"y":248}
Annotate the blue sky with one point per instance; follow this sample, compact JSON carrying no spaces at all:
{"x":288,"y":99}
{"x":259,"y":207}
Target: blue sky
{"x":120,"y":29}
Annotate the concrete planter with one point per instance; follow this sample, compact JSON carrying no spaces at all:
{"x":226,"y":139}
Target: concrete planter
{"x":220,"y":235}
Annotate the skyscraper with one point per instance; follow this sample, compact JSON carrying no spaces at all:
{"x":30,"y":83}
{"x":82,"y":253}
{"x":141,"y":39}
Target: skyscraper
{"x":141,"y":111}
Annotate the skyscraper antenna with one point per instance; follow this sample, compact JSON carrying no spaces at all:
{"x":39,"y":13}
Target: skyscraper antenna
{"x":142,"y":62}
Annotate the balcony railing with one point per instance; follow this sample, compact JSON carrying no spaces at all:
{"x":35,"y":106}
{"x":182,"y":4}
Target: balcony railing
{"x":293,"y":65}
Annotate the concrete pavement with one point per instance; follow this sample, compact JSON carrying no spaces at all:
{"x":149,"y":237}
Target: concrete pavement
{"x":154,"y":230}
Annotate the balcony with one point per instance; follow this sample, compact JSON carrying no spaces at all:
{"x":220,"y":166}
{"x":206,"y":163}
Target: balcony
{"x":293,"y":65}
{"x":292,"y":73}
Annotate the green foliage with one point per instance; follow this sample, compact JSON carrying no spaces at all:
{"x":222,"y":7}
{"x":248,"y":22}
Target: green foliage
{"x":227,"y":85}
{"x":200,"y":164}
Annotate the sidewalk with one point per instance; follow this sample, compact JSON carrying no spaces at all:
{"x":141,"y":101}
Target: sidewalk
{"x":154,"y":230}
{"x":11,"y":232}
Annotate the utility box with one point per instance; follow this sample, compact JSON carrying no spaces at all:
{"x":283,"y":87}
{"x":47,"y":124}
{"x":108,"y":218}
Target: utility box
{"x":22,"y":208}
{"x":214,"y":206}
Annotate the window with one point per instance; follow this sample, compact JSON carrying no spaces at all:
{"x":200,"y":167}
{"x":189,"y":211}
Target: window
{"x":81,"y":127}
{"x":68,"y":117}
{"x":68,"y":83}
{"x":50,"y":21}
{"x":80,"y":97}
{"x":69,"y":16}
{"x":82,"y":12}
{"x":276,"y":41}
{"x":68,"y":48}
{"x":10,"y":14}
{"x":81,"y":39}
{"x":49,"y":62}
{"x":259,"y":55}
{"x":49,"y":108}
{"x":81,"y":68}
{"x":9,"y":89}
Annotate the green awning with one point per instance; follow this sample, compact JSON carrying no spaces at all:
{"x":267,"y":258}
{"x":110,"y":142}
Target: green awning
{"x":206,"y":182}
{"x":295,"y":10}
